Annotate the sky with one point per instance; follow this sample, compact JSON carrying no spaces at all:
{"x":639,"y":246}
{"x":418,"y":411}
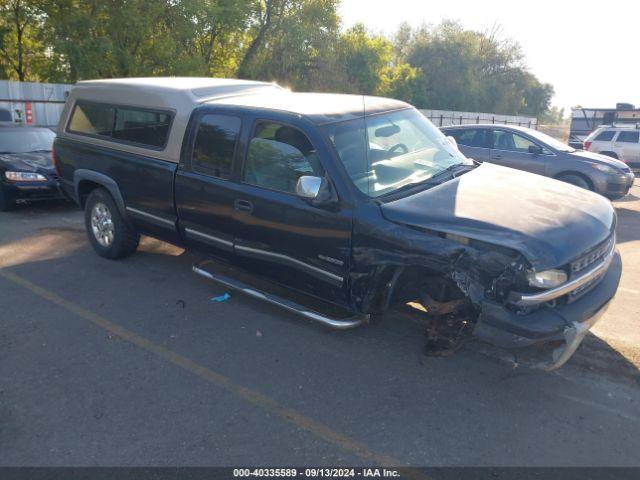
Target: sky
{"x":588,"y":50}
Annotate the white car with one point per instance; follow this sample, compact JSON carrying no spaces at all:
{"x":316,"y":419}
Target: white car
{"x":621,"y":142}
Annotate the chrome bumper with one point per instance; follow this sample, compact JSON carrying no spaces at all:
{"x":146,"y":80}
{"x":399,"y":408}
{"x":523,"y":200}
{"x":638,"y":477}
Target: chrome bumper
{"x":528,"y":299}
{"x":573,"y":336}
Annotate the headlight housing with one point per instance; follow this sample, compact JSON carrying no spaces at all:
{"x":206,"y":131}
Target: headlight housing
{"x":25,"y":177}
{"x":547,"y":278}
{"x":605,"y":168}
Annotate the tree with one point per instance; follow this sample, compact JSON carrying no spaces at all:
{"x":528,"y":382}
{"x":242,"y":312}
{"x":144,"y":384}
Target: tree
{"x":297,"y":43}
{"x":214,"y":32}
{"x":292,"y":42}
{"x":472,"y":71}
{"x":365,"y":59}
{"x":20,"y":21}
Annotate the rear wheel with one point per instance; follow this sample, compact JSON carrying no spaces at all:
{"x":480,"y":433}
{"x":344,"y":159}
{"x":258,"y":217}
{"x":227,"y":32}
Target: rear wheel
{"x":6,"y":201}
{"x":576,"y":180}
{"x":108,"y":232}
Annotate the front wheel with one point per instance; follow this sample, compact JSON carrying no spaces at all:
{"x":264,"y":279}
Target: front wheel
{"x":108,"y":232}
{"x":576,"y":180}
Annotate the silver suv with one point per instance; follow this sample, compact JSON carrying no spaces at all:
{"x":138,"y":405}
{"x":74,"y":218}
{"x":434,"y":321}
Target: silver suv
{"x":621,"y":142}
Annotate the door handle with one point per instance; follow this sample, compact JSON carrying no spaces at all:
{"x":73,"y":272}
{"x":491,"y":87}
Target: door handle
{"x":497,"y":157}
{"x":243,"y":206}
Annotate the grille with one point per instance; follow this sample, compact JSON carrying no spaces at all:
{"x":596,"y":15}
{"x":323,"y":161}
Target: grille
{"x":588,"y":261}
{"x":591,"y":257}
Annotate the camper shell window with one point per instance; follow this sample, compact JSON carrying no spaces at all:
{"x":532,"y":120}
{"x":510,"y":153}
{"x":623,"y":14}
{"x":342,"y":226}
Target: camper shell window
{"x":123,"y":124}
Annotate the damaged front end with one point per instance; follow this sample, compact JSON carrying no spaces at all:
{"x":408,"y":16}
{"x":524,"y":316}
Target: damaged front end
{"x":465,"y":288}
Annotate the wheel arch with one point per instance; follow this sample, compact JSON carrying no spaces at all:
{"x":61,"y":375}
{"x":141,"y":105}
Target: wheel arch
{"x":85,"y":181}
{"x":577,"y":174}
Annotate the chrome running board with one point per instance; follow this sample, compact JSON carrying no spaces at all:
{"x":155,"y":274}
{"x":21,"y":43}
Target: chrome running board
{"x":347,"y":323}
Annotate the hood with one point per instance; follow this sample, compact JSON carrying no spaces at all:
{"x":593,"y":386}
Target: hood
{"x":29,"y":162}
{"x":547,"y":221}
{"x":592,"y":157}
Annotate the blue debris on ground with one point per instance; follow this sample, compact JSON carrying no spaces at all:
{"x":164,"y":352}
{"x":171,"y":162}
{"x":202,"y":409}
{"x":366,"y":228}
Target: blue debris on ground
{"x":221,"y":298}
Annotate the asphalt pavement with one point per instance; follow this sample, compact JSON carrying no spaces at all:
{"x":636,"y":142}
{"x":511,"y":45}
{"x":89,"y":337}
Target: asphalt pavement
{"x":130,"y":363}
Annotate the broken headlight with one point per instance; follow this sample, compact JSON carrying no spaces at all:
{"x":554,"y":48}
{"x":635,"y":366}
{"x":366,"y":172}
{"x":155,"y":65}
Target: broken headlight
{"x":547,"y":278}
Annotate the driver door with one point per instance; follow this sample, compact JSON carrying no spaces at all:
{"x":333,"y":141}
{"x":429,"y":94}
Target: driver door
{"x":281,"y":235}
{"x":511,"y":149}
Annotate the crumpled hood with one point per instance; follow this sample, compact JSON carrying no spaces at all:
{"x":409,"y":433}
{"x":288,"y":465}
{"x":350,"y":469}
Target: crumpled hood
{"x":592,"y":157}
{"x":547,"y":221}
{"x":30,"y":162}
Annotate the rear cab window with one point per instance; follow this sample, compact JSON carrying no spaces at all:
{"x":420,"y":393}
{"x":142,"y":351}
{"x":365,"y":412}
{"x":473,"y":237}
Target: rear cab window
{"x":122,"y":124}
{"x":215,"y":145}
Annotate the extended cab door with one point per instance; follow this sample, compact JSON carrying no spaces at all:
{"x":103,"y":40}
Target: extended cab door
{"x":204,"y":190}
{"x":513,"y":150}
{"x":281,"y":235}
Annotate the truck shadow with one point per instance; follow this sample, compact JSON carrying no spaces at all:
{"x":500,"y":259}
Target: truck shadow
{"x":628,"y":228}
{"x":157,"y":265}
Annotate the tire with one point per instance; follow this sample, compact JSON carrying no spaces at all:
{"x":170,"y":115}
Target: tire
{"x":576,"y":180}
{"x":6,"y":202}
{"x":107,"y":230}
{"x":610,"y":154}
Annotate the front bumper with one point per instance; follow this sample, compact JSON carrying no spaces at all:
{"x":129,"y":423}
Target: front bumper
{"x":569,"y":323}
{"x":619,"y":185}
{"x":32,"y":190}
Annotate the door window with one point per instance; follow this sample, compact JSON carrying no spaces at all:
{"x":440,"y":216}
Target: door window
{"x":605,"y":136}
{"x":215,"y":144}
{"x":628,"y":137}
{"x":512,"y":142}
{"x":278,"y":155}
{"x":471,"y":137}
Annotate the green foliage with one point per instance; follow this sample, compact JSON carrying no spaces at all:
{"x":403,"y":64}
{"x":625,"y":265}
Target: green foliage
{"x":298,"y":43}
{"x":21,"y":47}
{"x":472,"y":71}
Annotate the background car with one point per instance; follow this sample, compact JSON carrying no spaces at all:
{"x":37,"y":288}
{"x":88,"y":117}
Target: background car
{"x":26,"y":165}
{"x":621,"y":142}
{"x":536,"y":152}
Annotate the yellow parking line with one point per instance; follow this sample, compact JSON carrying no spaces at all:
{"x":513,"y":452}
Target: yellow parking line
{"x":629,"y":290}
{"x":266,"y":403}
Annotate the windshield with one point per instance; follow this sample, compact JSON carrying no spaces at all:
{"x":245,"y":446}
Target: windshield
{"x":25,"y":141}
{"x":403,"y":148}
{"x":550,"y":141}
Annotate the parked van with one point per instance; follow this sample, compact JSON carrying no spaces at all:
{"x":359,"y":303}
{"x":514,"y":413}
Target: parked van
{"x":336,"y":207}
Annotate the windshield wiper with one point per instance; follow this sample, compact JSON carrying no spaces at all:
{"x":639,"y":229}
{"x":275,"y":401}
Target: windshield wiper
{"x":431,"y":181}
{"x":451,"y":168}
{"x":411,"y":185}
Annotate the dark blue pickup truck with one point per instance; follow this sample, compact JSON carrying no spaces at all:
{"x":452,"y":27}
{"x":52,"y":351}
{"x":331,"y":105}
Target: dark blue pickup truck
{"x":337,"y":207}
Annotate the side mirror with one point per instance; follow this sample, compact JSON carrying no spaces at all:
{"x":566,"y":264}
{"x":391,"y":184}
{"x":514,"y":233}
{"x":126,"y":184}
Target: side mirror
{"x":308,"y":187}
{"x":535,"y":149}
{"x":317,"y":190}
